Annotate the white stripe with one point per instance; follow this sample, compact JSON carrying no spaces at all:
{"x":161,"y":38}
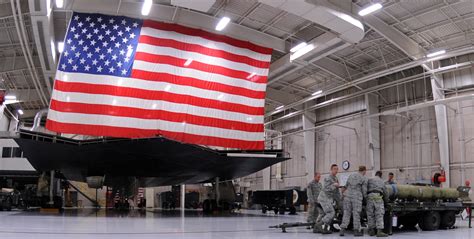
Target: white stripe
{"x":205,"y":42}
{"x":114,"y":121}
{"x":211,"y":60}
{"x":158,"y":86}
{"x":154,"y":105}
{"x":201,"y":75}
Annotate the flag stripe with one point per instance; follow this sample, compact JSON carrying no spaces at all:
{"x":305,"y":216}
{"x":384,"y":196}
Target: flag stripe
{"x":200,"y":75}
{"x":155,"y":105}
{"x":188,"y":81}
{"x":155,"y":95}
{"x":174,"y":61}
{"x":146,"y":124}
{"x":101,"y":130}
{"x":206,"y":35}
{"x":159,"y":87}
{"x":201,"y":58}
{"x":188,"y":47}
{"x":147,"y":31}
{"x":132,"y":112}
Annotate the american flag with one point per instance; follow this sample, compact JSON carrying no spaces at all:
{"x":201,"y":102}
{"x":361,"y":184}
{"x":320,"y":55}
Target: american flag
{"x":124,"y":77}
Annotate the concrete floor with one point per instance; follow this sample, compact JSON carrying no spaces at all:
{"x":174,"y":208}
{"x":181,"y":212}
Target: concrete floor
{"x":157,"y":224}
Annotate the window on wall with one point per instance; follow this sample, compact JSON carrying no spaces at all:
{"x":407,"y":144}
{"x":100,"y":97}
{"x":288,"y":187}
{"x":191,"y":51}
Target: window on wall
{"x":7,"y":152}
{"x":16,"y":152}
{"x":11,"y":152}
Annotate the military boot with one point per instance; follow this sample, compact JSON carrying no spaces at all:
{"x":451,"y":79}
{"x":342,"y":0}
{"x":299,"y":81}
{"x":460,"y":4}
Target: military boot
{"x":380,"y":233}
{"x":371,"y":232}
{"x":326,"y":229}
{"x":341,"y":232}
{"x":358,"y":233}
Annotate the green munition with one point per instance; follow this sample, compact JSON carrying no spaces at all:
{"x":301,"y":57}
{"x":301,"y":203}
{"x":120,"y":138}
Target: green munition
{"x":423,"y":193}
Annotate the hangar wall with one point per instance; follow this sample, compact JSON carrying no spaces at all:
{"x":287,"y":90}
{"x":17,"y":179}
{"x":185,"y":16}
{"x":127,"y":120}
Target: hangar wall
{"x":409,"y":144}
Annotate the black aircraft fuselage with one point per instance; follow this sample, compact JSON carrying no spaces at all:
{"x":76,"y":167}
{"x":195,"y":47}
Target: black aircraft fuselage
{"x":152,"y":161}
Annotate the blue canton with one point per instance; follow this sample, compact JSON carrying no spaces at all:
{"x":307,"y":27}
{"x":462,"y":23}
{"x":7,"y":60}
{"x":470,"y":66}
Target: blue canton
{"x":100,"y":44}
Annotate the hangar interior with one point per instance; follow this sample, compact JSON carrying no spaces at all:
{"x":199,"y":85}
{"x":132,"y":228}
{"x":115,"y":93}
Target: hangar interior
{"x":392,"y":89}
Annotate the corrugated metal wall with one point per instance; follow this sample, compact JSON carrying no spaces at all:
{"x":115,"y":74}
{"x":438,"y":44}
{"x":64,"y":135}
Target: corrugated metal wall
{"x":409,"y":141}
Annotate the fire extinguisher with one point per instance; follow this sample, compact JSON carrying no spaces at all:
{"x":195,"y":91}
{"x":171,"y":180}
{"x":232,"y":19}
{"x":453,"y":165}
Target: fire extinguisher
{"x":439,"y":178}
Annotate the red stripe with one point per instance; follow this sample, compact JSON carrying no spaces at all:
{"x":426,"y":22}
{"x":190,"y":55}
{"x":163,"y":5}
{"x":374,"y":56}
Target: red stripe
{"x":100,"y":130}
{"x":189,"y":81}
{"x":121,"y":111}
{"x":203,"y":50}
{"x":207,"y":35}
{"x":155,"y":95}
{"x":195,"y":64}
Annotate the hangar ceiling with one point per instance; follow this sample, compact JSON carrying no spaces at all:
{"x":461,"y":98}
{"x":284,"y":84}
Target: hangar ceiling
{"x":399,"y":34}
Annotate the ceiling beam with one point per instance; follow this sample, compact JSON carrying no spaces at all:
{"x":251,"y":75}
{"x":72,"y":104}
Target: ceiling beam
{"x":326,"y":44}
{"x":184,"y":17}
{"x":394,"y":36}
{"x":281,"y":97}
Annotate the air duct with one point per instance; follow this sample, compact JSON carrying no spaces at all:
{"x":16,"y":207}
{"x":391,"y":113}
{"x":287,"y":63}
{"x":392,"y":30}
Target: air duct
{"x":198,"y":5}
{"x":325,"y":14}
{"x":37,"y":120}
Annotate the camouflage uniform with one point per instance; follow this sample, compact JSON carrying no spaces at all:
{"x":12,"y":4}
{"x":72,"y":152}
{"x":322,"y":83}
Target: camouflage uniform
{"x":312,"y":191}
{"x":375,"y":204}
{"x":328,"y":195}
{"x":356,"y":191}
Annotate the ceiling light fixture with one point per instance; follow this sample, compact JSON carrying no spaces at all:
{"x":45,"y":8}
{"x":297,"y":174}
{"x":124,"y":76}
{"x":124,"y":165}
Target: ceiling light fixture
{"x":370,"y":9}
{"x":436,"y":53}
{"x":222,"y":23}
{"x":297,"y":47}
{"x":10,"y":97}
{"x":301,"y":52}
{"x":59,"y":3}
{"x":20,"y":112}
{"x":279,"y":107}
{"x":317,"y":92}
{"x":60,"y":47}
{"x":146,"y":7}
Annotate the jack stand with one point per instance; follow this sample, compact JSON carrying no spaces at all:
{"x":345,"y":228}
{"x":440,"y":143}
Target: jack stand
{"x":51,"y":189}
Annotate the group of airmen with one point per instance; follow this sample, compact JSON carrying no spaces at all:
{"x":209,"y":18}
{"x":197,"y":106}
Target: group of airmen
{"x":324,"y":198}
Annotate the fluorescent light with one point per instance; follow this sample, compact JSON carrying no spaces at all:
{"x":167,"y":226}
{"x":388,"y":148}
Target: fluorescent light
{"x":188,"y":62}
{"x":370,"y":9}
{"x":222,"y":23}
{"x":301,"y":52}
{"x":317,"y":92}
{"x":436,"y":53}
{"x":20,"y":112}
{"x":59,"y":3}
{"x":146,"y":7}
{"x":299,"y":46}
{"x":60,"y":47}
{"x":6,"y":102}
{"x":279,"y":107}
{"x":251,"y":75}
{"x":10,"y":97}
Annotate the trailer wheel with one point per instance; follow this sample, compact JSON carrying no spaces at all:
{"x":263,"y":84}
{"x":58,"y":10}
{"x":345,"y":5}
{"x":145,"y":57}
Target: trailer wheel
{"x":430,"y":221}
{"x":448,"y":219}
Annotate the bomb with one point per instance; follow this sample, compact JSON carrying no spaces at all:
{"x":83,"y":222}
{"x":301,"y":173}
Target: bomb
{"x":422,"y":193}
